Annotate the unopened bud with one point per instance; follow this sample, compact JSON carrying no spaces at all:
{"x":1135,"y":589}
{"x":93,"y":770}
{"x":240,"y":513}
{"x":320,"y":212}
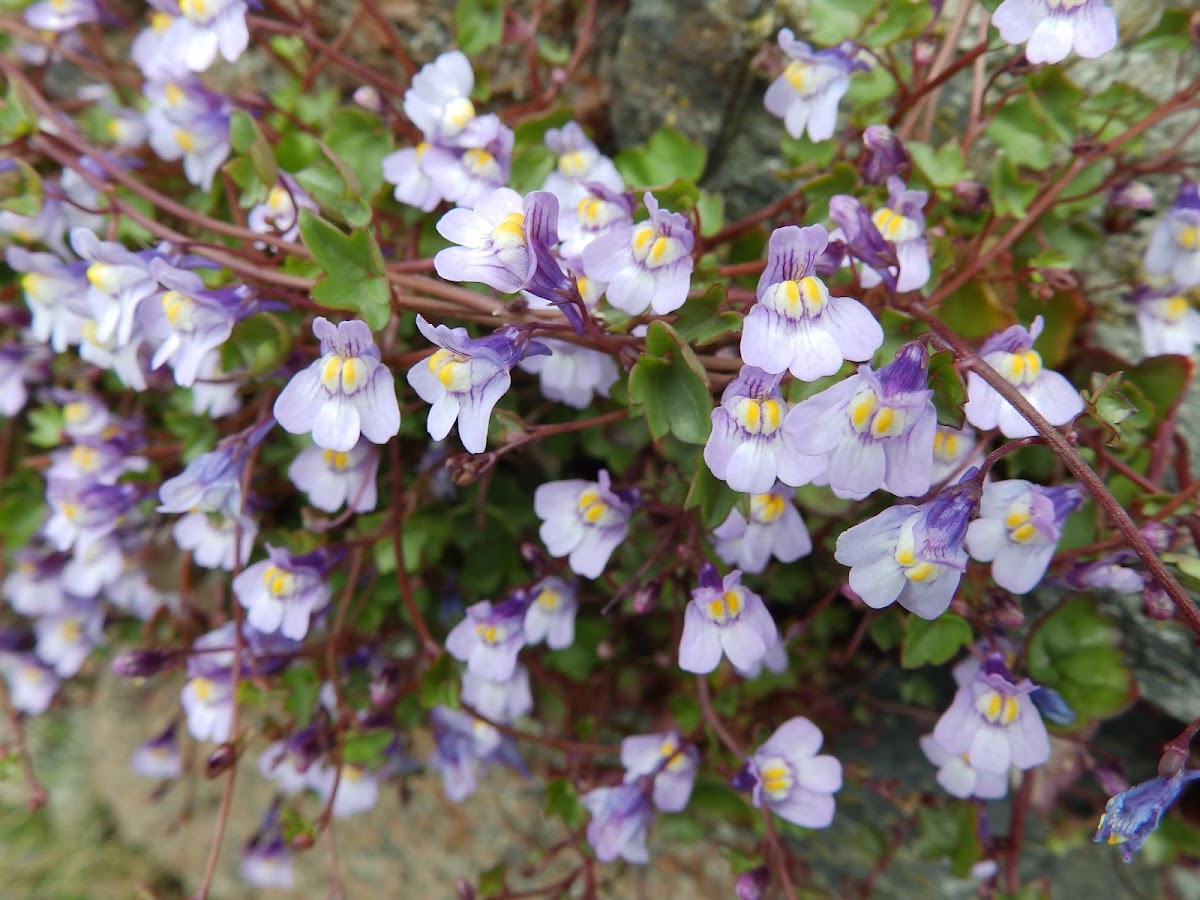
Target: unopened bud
{"x":220,"y":760}
{"x":368,"y":98}
{"x":923,"y":51}
{"x":753,"y":884}
{"x":645,"y":598}
{"x":1156,"y":604}
{"x":141,"y":663}
{"x":885,"y":155}
{"x":1158,"y":536}
{"x":1132,"y":195}
{"x":1112,"y":782}
{"x":1059,"y":280}
{"x":973,"y":195}
{"x":463,"y":890}
{"x":1008,"y":611}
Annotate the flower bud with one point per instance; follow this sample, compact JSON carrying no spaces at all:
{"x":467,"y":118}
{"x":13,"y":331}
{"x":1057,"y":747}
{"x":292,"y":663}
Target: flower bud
{"x":753,"y":884}
{"x":1158,"y":536}
{"x":219,"y":761}
{"x":141,"y":663}
{"x":973,"y":195}
{"x":885,"y":155}
{"x":645,"y":598}
{"x":1156,"y":604}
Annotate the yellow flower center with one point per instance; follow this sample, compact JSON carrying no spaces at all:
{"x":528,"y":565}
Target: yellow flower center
{"x":279,"y":582}
{"x":203,"y":688}
{"x":83,"y":457}
{"x":726,"y":607}
{"x":337,"y":460}
{"x":895,"y":227}
{"x":174,"y":93}
{"x":758,"y":416}
{"x":178,"y":309}
{"x":549,"y":599}
{"x":185,"y":139}
{"x":797,"y":74}
{"x":161,"y":21}
{"x":1021,"y":368}
{"x":946,"y":445}
{"x":196,"y":10}
{"x":491,"y":634}
{"x":510,"y":233}
{"x":70,"y":630}
{"x":459,"y":113}
{"x":869,"y":415}
{"x":776,"y":778}
{"x":593,"y":508}
{"x":343,"y":373}
{"x":766,"y":508}
{"x":654,"y":250}
{"x":1020,"y":525}
{"x":997,"y":708}
{"x":480,"y":163}
{"x":451,"y":369}
{"x":573,"y":164}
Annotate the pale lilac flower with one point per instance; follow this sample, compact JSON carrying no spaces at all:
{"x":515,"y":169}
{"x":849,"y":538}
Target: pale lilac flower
{"x":885,"y":154}
{"x":267,"y":861}
{"x":807,"y":94}
{"x":791,"y":779}
{"x":332,"y":478}
{"x":344,"y":393}
{"x":67,"y":637}
{"x":284,"y":592}
{"x":1166,"y":322}
{"x":151,"y":50}
{"x":288,"y":763}
{"x":724,"y":618}
{"x":490,"y":637}
{"x":572,"y":374}
{"x":95,"y":566}
{"x":191,"y":123}
{"x":672,"y":764}
{"x":438,"y":100}
{"x":465,"y":176}
{"x":95,"y":460}
{"x":796,"y":325}
{"x":85,"y":417}
{"x":1053,"y":27}
{"x":211,"y":482}
{"x":775,"y":660}
{"x":120,"y":281}
{"x":212,"y":538}
{"x":203,"y":28}
{"x":580,"y":164}
{"x":857,"y":238}
{"x":280,"y":212}
{"x":499,"y":239}
{"x":1135,"y":195}
{"x":403,"y":170}
{"x":1130,"y":816}
{"x":54,"y":293}
{"x":583,"y":520}
{"x":775,"y":529}
{"x":62,"y":15}
{"x":466,"y":377}
{"x":1011,"y":354}
{"x":911,"y":555}
{"x":1018,"y":529}
{"x":214,"y":394}
{"x":357,"y":790}
{"x":126,"y":361}
{"x":158,"y":757}
{"x":875,"y":428}
{"x":551,"y":614}
{"x":132,"y":592}
{"x":952,"y":447}
{"x":31,"y":683}
{"x":24,"y":363}
{"x":752,"y":884}
{"x":598,"y":211}
{"x":207,"y":696}
{"x":33,"y":586}
{"x":620,"y":817}
{"x":747,"y":447}
{"x":647,"y":265}
{"x":1105,"y":573}
{"x":902,"y":223}
{"x":992,"y":719}
{"x":958,"y":777}
{"x":500,"y":701}
{"x":84,"y":511}
{"x":463,"y":746}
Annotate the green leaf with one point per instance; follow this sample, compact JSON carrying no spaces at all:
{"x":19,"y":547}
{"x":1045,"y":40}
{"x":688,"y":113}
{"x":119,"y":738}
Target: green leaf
{"x":479,"y":24}
{"x":699,"y":323}
{"x":439,"y":683}
{"x":22,"y":508}
{"x":1109,"y":406}
{"x":1074,"y":650}
{"x":933,"y":642}
{"x":944,"y":167}
{"x":1163,"y":379}
{"x":198,"y":433}
{"x":365,"y":748}
{"x":361,"y":141}
{"x":354,"y":268}
{"x":492,"y":883}
{"x":669,"y":386}
{"x":21,"y":188}
{"x":949,"y":390}
{"x":901,"y":20}
{"x":45,"y":425}
{"x":1021,"y":127}
{"x":887,"y":629}
{"x":833,"y":21}
{"x":261,"y":343}
{"x":246,"y":137}
{"x":1011,"y":195}
{"x":1172,"y":32}
{"x":841,"y":179}
{"x":950,"y":832}
{"x":303,"y":685}
{"x":714,"y":497}
{"x":562,"y":800}
{"x":668,"y":156}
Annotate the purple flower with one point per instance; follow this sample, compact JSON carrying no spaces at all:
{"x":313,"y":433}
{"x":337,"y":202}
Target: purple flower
{"x":463,"y":746}
{"x":404,"y":171}
{"x":885,"y":154}
{"x":747,"y":447}
{"x":153,"y":52}
{"x":355,"y":791}
{"x":1174,"y":247}
{"x":267,"y":861}
{"x":211,"y":482}
{"x":466,"y":377}
{"x":1133,"y":814}
{"x":1167,"y":322}
{"x":951,"y":449}
{"x":902,"y":224}
{"x":911,"y":555}
{"x":551,"y":614}
{"x":775,"y":529}
{"x":724,"y":617}
{"x":332,"y":478}
{"x":580,"y":166}
{"x":31,"y":683}
{"x":190,"y":122}
{"x":992,"y":719}
{"x":158,"y":757}
{"x":207,"y":696}
{"x":284,"y":592}
{"x":67,"y":637}
{"x":280,"y":212}
{"x":958,"y":777}
{"x":598,"y":211}
{"x":346,"y":392}
{"x":1053,"y":27}
{"x":465,"y":176}
{"x":859,"y":237}
{"x":620,"y":817}
{"x":86,"y":511}
{"x":672,"y":764}
{"x":438,"y":99}
{"x":204,"y":27}
{"x":791,"y":779}
{"x":875,"y":428}
{"x":62,"y":15}
{"x":33,"y":586}
{"x":213,"y":538}
{"x":572,"y":374}
{"x":1018,"y":529}
{"x":807,"y":94}
{"x":796,"y":325}
{"x":584,"y":520}
{"x":120,"y":281}
{"x":53,"y":290}
{"x":23,"y":363}
{"x":490,"y":637}
{"x":1011,"y":354}
{"x":500,"y":701}
{"x":646,"y":266}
